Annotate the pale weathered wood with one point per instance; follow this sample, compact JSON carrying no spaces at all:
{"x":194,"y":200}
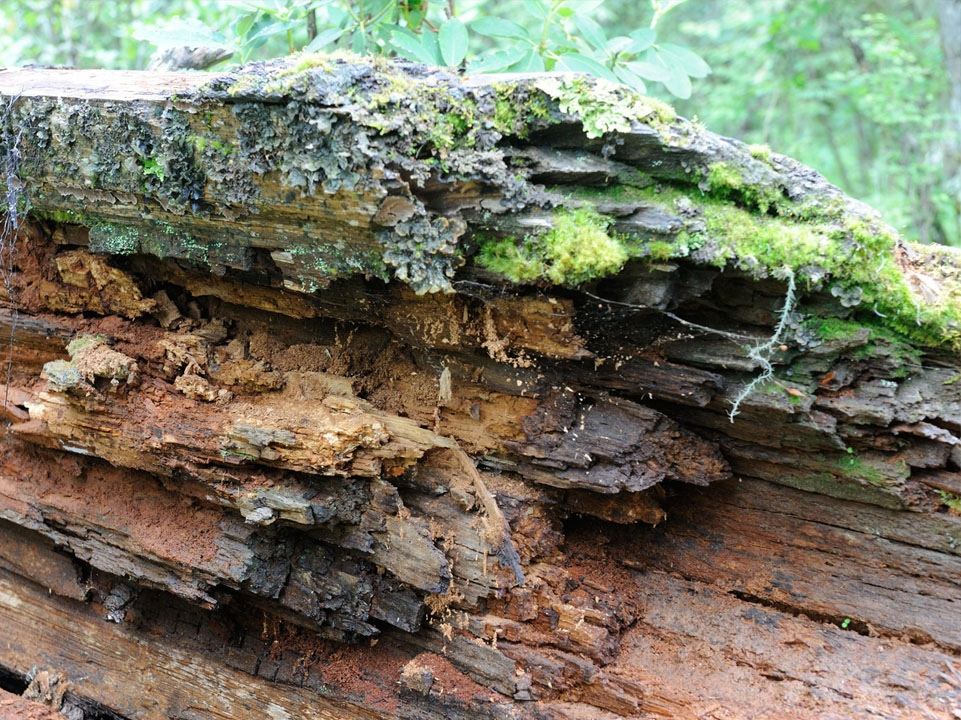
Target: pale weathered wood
{"x":140,"y":676}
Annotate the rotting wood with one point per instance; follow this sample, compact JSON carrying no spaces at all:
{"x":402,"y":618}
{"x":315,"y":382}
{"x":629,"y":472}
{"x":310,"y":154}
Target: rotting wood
{"x":258,"y":367}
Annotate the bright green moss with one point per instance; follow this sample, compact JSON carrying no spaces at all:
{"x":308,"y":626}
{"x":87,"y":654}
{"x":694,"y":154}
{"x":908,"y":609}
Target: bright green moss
{"x":842,"y":332}
{"x":727,"y":182}
{"x":660,"y":250}
{"x":760,"y":152}
{"x":950,"y":500}
{"x":829,"y":248}
{"x":577,"y":249}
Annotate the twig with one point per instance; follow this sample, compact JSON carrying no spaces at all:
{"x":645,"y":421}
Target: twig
{"x":686,"y":323}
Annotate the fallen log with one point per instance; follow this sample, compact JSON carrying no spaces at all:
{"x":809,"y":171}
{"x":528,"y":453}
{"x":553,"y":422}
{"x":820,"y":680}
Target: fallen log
{"x":332,"y":363}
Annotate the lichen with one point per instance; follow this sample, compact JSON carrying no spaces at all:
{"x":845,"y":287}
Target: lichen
{"x":604,"y":107}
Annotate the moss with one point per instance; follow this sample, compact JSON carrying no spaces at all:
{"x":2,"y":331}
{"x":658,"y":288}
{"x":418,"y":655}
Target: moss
{"x":950,"y":500}
{"x":831,"y":249}
{"x":578,"y":248}
{"x":760,"y":152}
{"x":115,"y":239}
{"x":856,"y":468}
{"x":836,"y":330}
{"x":660,"y":250}
{"x":727,"y":182}
{"x":70,"y":217}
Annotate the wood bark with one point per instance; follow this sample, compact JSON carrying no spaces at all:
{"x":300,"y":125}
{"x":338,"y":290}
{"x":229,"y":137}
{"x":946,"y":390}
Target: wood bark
{"x":279,"y":443}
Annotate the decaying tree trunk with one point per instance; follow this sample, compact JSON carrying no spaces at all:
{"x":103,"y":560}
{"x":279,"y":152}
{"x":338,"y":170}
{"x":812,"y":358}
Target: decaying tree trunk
{"x":345,"y":389}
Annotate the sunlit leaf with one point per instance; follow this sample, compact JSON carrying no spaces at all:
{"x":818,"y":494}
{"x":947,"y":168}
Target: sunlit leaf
{"x":272,"y":29}
{"x":618,"y":45}
{"x":592,"y":32}
{"x":452,"y":40}
{"x":575,"y":62}
{"x":500,"y":28}
{"x":530,"y":62}
{"x":678,"y":83}
{"x":181,"y":33}
{"x":429,"y":41}
{"x":641,"y":40}
{"x":648,"y":70}
{"x":409,"y":45}
{"x":497,"y":61}
{"x":324,"y":38}
{"x":691,"y":63}
{"x":630,"y":79}
{"x":244,"y":24}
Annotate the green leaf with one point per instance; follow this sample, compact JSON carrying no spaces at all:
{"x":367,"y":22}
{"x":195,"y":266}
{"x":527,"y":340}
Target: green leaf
{"x":531,"y":62}
{"x":500,"y":28}
{"x":592,"y":32}
{"x":691,"y":63}
{"x":642,"y":40}
{"x":630,"y":79}
{"x":273,"y":29}
{"x":678,"y":83}
{"x":243,"y":25}
{"x":618,"y":45}
{"x":648,"y":70}
{"x":180,"y":33}
{"x":452,"y":40}
{"x":358,"y":43}
{"x":324,"y":38}
{"x":410,"y":45}
{"x":540,"y":8}
{"x":575,"y":62}
{"x":497,"y":60}
{"x":429,"y":41}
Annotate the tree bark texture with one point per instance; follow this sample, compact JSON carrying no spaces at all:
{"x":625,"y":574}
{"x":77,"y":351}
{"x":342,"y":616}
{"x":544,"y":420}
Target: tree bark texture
{"x":341,"y":388}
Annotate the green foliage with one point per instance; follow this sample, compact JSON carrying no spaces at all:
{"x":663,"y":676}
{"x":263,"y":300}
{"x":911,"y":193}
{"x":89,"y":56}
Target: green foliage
{"x":856,"y":90}
{"x":483,"y":36}
{"x":578,"y":248}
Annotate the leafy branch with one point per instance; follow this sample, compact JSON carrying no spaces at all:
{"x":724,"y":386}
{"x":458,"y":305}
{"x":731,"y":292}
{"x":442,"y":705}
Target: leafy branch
{"x":543,"y":35}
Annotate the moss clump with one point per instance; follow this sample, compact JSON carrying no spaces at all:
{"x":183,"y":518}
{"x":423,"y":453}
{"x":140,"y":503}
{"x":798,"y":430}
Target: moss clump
{"x":577,"y":249}
{"x":845,"y":333}
{"x":727,"y":182}
{"x":760,"y":152}
{"x":950,"y":500}
{"x":826,"y":245}
{"x":660,"y":250}
{"x":854,"y":467}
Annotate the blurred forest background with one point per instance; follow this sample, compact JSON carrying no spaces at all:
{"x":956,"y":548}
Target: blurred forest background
{"x":867,"y":91}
